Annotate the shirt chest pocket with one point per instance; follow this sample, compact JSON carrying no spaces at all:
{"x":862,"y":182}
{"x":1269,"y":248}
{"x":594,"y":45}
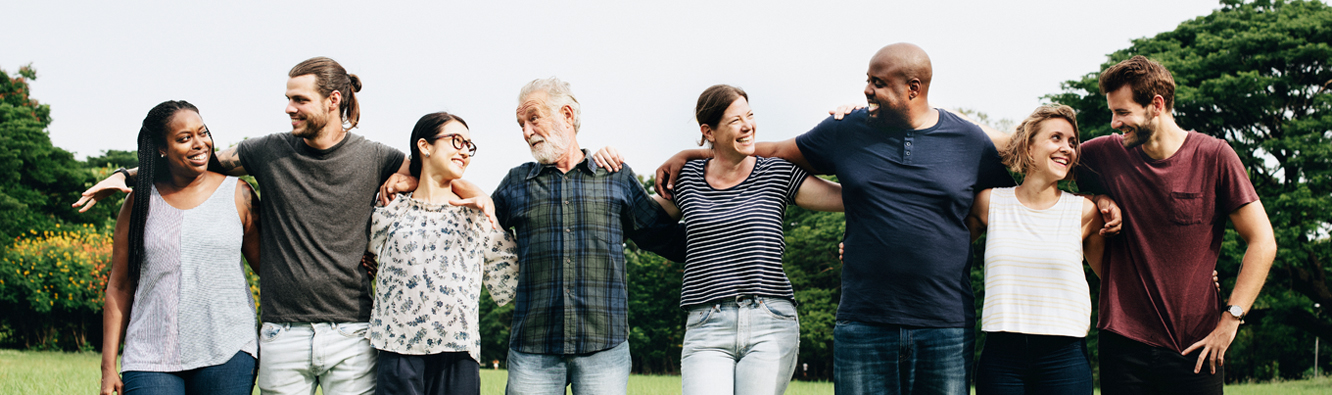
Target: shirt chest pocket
{"x":1186,"y":208}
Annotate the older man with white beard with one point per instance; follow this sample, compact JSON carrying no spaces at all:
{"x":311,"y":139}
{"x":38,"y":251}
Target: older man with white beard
{"x":570,"y":324}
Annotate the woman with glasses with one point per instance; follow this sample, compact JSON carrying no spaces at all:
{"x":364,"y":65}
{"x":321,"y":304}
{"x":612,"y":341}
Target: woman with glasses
{"x":434,"y":257}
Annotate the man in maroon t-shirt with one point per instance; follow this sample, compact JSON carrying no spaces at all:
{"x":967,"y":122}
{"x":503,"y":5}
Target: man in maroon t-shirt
{"x":1161,"y":319}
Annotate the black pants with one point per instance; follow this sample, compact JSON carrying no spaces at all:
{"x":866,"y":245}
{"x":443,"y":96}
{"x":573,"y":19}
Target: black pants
{"x":1019,"y":363}
{"x":1131,"y":367}
{"x":435,"y":374}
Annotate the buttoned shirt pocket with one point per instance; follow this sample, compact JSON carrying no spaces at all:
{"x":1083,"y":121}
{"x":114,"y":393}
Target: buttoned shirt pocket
{"x":1186,"y":208}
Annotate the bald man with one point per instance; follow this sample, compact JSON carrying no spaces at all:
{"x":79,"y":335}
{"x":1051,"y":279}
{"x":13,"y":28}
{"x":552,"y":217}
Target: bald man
{"x":909,"y":173}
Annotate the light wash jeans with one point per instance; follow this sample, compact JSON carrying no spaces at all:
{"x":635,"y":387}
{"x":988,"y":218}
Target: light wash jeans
{"x":294,"y":358}
{"x":742,"y":345}
{"x":604,"y":372}
{"x":872,"y":359}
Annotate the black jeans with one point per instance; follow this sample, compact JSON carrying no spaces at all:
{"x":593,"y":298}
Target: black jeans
{"x":1132,"y":367}
{"x":1018,"y":363}
{"x":443,"y":373}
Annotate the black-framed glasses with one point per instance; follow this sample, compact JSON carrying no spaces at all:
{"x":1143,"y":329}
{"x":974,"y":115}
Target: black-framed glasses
{"x":459,"y":143}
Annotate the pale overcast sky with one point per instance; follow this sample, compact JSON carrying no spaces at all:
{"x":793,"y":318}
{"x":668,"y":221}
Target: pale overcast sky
{"x":636,"y":67}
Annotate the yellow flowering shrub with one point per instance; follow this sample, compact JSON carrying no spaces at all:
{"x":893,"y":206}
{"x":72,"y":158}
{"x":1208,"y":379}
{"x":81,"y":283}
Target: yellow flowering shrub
{"x":52,"y":286}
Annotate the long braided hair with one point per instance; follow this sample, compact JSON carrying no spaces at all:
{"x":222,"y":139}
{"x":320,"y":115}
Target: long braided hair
{"x":152,"y":168}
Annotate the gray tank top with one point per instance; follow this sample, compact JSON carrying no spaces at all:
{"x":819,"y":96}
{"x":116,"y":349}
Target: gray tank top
{"x":192,"y":308}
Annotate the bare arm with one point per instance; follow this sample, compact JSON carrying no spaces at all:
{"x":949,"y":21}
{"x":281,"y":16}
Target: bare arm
{"x":472,"y":196}
{"x":117,"y":182}
{"x":668,"y":205}
{"x":1253,"y":226}
{"x":247,"y":205}
{"x":119,"y":299}
{"x":979,"y":217}
{"x":1093,"y":243}
{"x":819,"y":195}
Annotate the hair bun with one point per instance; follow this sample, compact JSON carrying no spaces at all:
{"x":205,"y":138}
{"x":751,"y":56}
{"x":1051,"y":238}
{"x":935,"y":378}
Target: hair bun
{"x":355,"y":82}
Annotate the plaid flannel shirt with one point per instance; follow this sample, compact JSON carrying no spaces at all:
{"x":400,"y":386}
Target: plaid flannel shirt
{"x":572,"y":293}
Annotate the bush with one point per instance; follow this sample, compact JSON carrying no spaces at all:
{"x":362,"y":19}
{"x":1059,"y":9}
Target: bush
{"x":51,"y":288}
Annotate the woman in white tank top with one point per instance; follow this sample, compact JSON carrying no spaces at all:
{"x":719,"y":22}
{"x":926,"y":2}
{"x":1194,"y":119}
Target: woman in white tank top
{"x":177,"y":292}
{"x":1037,"y":307}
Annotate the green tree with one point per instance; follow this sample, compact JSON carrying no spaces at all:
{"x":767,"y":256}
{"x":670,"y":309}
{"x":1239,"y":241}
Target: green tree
{"x":38,"y":180}
{"x":1256,"y":74}
{"x":113,"y":159}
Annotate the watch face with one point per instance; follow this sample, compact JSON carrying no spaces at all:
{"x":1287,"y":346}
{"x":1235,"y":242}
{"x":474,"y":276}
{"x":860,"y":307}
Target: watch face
{"x":1235,"y":311}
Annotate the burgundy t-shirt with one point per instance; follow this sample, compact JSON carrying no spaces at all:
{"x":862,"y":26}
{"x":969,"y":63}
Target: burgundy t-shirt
{"x":1156,"y":281}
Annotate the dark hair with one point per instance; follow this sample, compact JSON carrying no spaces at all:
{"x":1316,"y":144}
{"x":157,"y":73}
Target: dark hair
{"x":1017,"y":155}
{"x":712,"y":104}
{"x":152,"y":168}
{"x":329,"y":77}
{"x":428,"y":128}
{"x":1145,"y":77}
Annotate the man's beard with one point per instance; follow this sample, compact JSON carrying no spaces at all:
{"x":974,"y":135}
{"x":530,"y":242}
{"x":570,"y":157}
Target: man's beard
{"x":550,"y":150}
{"x":314,"y":123}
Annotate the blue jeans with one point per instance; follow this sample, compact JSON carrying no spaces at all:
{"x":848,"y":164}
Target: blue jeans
{"x":892,"y":359}
{"x":235,"y":377}
{"x":740,"y":345}
{"x":1019,"y":363}
{"x":602,"y":372}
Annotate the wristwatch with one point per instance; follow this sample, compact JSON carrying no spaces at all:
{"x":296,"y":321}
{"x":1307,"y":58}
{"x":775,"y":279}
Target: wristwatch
{"x":123,"y":171}
{"x":1237,"y":312}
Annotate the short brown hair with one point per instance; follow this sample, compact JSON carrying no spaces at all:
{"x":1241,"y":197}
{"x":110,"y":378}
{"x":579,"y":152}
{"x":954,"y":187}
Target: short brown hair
{"x":1145,"y":77}
{"x":1017,"y":155}
{"x":329,"y":77}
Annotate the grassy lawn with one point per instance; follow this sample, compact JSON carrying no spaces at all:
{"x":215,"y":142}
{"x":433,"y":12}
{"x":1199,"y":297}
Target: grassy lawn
{"x":23,"y":372}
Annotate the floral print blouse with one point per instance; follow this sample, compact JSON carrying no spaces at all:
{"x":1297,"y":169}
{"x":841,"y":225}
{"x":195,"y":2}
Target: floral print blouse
{"x":433,"y":260}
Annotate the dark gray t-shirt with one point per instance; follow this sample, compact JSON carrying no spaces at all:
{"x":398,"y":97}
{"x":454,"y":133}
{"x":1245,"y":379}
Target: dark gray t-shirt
{"x":315,"y":205}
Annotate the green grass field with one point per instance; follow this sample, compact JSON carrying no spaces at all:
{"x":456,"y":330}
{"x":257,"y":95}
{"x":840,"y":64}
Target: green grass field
{"x":23,"y":372}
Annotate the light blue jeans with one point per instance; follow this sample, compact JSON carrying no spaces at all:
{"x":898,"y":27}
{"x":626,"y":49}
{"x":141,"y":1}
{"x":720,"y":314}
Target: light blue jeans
{"x":294,"y":358}
{"x":602,"y":372}
{"x":741,"y":345}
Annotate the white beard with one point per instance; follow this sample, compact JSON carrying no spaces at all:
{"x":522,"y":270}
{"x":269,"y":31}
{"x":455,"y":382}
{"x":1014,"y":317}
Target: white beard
{"x":549,"y":151}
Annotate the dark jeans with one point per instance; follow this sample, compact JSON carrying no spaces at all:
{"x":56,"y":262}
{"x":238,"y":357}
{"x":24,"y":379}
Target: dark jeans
{"x":1131,"y":367}
{"x":1018,"y":363}
{"x":443,"y":373}
{"x":235,"y":377}
{"x":892,"y":359}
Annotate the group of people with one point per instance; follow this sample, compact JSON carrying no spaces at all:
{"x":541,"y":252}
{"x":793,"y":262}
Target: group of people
{"x":918,"y":184}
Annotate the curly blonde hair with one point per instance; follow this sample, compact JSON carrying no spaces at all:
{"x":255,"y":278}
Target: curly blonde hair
{"x":1017,"y":156}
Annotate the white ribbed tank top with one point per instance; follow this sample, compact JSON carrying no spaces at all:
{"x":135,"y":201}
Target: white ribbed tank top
{"x":1034,"y":282}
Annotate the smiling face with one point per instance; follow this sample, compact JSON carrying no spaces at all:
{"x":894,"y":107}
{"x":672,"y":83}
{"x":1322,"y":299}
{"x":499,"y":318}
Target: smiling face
{"x":445,"y":158}
{"x":188,"y":145}
{"x":547,"y":134}
{"x":1053,"y":150}
{"x":735,"y":131}
{"x":886,"y":92}
{"x":1135,"y":121}
{"x":310,"y":112}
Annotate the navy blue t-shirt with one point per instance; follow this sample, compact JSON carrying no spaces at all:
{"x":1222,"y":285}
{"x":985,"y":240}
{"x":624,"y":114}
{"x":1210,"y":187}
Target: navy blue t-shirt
{"x":907,"y":194}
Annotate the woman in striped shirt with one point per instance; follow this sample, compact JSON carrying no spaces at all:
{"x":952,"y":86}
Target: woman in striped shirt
{"x":742,"y":335}
{"x":1037,"y":305}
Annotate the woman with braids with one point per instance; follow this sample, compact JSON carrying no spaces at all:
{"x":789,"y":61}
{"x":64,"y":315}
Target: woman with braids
{"x":741,"y":335}
{"x":177,"y":291}
{"x":435,"y":256}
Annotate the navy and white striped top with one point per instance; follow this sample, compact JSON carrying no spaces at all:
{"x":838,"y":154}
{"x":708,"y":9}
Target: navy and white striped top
{"x":734,"y":236}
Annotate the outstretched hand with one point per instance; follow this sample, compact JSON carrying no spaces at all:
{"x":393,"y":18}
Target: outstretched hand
{"x":396,"y":183}
{"x":1110,"y":214}
{"x":844,"y":109}
{"x":483,"y":203}
{"x":1215,"y":344}
{"x":114,"y":183}
{"x":609,"y":158}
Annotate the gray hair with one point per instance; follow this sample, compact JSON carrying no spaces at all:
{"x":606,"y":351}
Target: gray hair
{"x":558,"y":93}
